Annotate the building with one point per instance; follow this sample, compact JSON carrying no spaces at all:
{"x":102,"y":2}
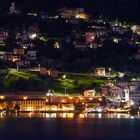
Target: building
{"x":49,"y":72}
{"x":116,"y":91}
{"x":100,"y":72}
{"x":12,"y":57}
{"x":36,"y":103}
{"x":127,"y":94}
{"x":89,"y":93}
{"x":23,"y":63}
{"x":72,"y":13}
{"x":31,"y":54}
{"x":19,"y":51}
{"x":105,"y":90}
{"x":110,"y":82}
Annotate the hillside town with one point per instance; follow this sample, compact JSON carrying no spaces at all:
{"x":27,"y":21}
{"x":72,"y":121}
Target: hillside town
{"x":67,"y":61}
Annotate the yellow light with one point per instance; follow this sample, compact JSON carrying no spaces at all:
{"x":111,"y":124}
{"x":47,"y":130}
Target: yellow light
{"x":64,"y":76}
{"x":25,"y":97}
{"x":100,"y":99}
{"x":90,"y":99}
{"x":81,"y":98}
{"x":70,"y":98}
{"x":2,"y":97}
{"x":63,"y":101}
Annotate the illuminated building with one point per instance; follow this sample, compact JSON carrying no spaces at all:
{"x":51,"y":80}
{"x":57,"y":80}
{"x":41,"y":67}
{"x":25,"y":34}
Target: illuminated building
{"x":36,"y":103}
{"x":12,"y":57}
{"x":127,"y":94}
{"x":100,"y":72}
{"x":89,"y":93}
{"x":18,"y":51}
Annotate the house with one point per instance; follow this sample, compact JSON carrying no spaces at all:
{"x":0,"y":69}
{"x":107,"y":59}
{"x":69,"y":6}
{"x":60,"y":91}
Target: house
{"x":100,"y":72}
{"x":117,"y":91}
{"x":12,"y":57}
{"x":49,"y":72}
{"x":89,"y":93}
{"x":23,"y":63}
{"x":71,"y":13}
{"x":110,"y":82}
{"x":19,"y":51}
{"x":31,"y":54}
{"x":105,"y":90}
{"x":133,"y":88}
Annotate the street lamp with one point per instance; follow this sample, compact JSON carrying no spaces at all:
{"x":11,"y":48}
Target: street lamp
{"x":109,"y":71}
{"x":64,"y":76}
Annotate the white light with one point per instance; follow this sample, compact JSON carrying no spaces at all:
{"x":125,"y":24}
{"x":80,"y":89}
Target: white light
{"x":116,"y":40}
{"x":33,"y":36}
{"x":132,"y":117}
{"x":49,"y":94}
{"x":99,"y":110}
{"x":132,"y":102}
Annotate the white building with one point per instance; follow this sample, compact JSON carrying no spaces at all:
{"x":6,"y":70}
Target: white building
{"x":127,"y":94}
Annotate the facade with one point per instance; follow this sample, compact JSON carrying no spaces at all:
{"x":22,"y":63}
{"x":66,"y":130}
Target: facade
{"x":49,"y":72}
{"x":31,"y":54}
{"x":89,"y":93}
{"x":39,"y":103}
{"x":71,"y":13}
{"x":23,"y":63}
{"x":117,"y":91}
{"x":12,"y":57}
{"x":18,"y":51}
{"x":100,"y":72}
{"x":105,"y":90}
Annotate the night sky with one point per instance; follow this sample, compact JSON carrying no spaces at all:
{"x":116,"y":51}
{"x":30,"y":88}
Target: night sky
{"x":125,"y":9}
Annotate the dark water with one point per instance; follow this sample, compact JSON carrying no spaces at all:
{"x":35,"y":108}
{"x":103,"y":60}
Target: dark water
{"x":68,"y":126}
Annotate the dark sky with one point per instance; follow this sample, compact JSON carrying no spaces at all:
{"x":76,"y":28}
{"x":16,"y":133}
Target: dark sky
{"x":126,"y":9}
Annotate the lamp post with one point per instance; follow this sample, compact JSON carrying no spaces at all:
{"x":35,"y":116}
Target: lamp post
{"x":109,"y":71}
{"x":64,"y":76}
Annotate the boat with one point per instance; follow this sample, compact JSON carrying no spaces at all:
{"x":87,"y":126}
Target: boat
{"x":97,"y":110}
{"x":117,"y":110}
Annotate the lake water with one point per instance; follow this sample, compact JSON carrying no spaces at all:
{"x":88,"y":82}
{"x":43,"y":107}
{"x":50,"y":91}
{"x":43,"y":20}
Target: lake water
{"x":69,"y":126}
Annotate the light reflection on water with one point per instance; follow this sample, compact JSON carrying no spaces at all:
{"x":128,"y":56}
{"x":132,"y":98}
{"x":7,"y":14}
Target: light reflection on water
{"x":69,"y":115}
